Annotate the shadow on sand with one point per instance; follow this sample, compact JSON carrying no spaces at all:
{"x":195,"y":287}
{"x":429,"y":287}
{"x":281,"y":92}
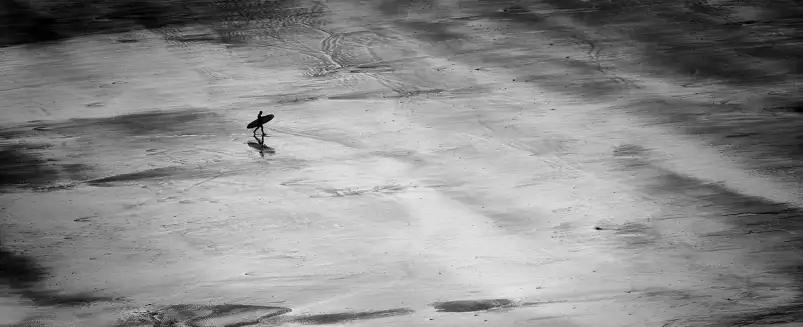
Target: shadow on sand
{"x":262,"y":148}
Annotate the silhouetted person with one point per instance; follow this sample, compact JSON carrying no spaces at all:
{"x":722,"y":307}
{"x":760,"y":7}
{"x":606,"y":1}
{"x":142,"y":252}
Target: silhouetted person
{"x":259,"y":124}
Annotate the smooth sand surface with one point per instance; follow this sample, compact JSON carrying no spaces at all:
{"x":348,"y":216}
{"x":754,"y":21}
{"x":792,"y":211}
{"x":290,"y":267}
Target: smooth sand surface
{"x":404,"y":170}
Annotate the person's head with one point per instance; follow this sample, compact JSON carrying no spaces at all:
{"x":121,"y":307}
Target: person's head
{"x":260,"y":113}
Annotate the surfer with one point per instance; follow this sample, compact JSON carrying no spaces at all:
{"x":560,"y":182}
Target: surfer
{"x":258,"y":124}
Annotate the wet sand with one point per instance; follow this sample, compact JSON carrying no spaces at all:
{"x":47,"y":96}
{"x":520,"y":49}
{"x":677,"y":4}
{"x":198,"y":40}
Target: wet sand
{"x":429,"y":164}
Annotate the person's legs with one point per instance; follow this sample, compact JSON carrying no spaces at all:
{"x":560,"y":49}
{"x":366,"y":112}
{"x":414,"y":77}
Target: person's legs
{"x":256,"y":138}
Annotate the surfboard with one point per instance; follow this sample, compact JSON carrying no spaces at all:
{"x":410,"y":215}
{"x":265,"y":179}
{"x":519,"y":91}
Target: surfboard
{"x":259,"y":122}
